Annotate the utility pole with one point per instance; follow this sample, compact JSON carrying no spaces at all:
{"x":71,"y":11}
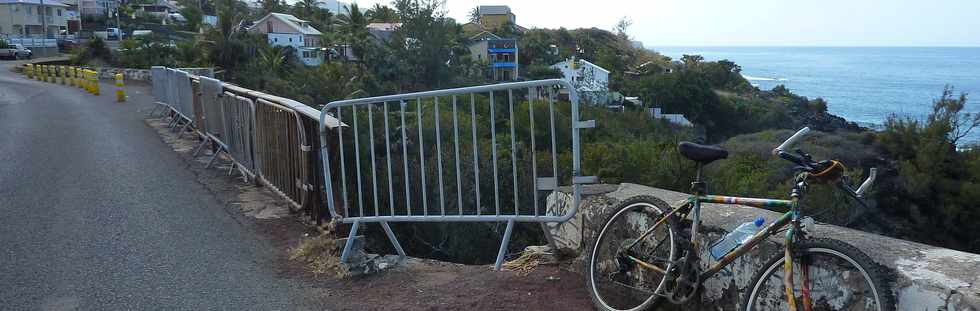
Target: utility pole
{"x":44,"y":26}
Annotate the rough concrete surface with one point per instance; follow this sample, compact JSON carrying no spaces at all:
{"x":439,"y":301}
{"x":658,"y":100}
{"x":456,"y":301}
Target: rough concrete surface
{"x":925,"y":277}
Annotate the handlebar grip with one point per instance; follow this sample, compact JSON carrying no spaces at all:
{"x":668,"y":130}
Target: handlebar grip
{"x":792,"y":140}
{"x":867,"y":182}
{"x":790,"y":157}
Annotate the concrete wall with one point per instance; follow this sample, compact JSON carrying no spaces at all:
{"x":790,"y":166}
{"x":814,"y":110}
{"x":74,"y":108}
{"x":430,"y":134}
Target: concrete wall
{"x":925,"y":277}
{"x":144,"y":74}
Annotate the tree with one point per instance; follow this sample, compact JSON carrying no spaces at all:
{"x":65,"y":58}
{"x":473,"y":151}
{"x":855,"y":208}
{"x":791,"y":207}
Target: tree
{"x":271,"y":6}
{"x":474,"y":15}
{"x":194,"y":17}
{"x":622,"y":26}
{"x":353,"y":27}
{"x":382,"y":14}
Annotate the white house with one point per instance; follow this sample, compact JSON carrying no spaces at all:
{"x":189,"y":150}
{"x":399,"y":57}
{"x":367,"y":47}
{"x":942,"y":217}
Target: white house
{"x":675,"y":118}
{"x":32,"y":18}
{"x":590,"y":80}
{"x":287,"y":30}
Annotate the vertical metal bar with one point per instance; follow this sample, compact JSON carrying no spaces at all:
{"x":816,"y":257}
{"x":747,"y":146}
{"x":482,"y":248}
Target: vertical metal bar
{"x":374,"y":171}
{"x":493,"y":149}
{"x":554,"y":145}
{"x":513,"y":149}
{"x":357,"y":160}
{"x":394,"y":241}
{"x":442,"y":190}
{"x":476,"y":154}
{"x":503,"y":245}
{"x":534,"y":157}
{"x":425,"y":204}
{"x":343,"y":168}
{"x":391,"y":190}
{"x":459,"y":185}
{"x":408,"y":192}
{"x":576,"y":149}
{"x":350,"y":241}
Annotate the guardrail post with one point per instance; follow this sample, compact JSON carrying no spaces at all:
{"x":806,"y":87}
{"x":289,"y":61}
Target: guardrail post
{"x":120,"y":93}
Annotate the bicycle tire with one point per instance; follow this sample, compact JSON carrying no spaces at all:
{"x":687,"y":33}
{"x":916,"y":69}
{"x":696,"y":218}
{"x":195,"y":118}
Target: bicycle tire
{"x":642,"y":201}
{"x":872,"y":272}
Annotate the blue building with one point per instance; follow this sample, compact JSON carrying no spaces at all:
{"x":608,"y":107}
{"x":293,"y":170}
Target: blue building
{"x":500,"y":54}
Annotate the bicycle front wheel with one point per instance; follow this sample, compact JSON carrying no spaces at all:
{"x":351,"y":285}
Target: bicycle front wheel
{"x":836,"y":276}
{"x":617,"y":275}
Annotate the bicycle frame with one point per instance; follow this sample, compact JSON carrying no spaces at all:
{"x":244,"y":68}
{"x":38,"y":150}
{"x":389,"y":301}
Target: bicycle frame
{"x":790,"y":219}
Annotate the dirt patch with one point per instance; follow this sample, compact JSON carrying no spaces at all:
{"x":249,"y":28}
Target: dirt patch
{"x":419,"y":284}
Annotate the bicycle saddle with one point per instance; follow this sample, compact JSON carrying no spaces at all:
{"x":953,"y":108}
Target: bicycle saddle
{"x":703,"y":154}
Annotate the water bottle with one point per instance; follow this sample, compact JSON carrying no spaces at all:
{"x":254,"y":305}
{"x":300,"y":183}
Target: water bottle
{"x":736,"y":238}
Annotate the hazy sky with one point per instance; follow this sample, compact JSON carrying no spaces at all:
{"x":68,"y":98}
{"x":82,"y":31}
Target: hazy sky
{"x":756,"y":22}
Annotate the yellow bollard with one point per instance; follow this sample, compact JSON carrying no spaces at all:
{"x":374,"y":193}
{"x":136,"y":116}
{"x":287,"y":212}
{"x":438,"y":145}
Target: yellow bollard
{"x":44,"y":73}
{"x":85,"y":83}
{"x":61,"y":75}
{"x":95,"y":83}
{"x":71,"y":77}
{"x":88,"y":81}
{"x":79,"y":74}
{"x":120,"y":93}
{"x":30,"y":71}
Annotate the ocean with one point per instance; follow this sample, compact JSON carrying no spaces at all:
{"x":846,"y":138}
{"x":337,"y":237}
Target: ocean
{"x":861,"y":84}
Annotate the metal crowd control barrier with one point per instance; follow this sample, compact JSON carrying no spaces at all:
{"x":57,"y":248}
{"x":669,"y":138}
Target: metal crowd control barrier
{"x":420,"y":171}
{"x":264,"y":135}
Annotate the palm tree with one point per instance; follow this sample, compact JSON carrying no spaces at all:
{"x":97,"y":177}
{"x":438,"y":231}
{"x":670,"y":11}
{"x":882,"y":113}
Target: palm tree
{"x":353,"y":27}
{"x":382,"y":14}
{"x":474,"y":15}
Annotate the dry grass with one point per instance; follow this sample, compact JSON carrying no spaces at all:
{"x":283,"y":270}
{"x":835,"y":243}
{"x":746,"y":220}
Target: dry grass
{"x":321,"y":254}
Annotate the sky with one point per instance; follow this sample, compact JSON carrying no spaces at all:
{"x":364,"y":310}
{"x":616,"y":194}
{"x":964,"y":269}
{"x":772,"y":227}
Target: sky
{"x":755,"y":22}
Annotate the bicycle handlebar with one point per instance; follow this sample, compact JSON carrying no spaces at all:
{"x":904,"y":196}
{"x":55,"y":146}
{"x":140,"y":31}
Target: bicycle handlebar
{"x":792,"y":140}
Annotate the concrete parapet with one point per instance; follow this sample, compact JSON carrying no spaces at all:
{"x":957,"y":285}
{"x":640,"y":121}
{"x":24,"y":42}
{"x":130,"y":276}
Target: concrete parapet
{"x":924,"y":277}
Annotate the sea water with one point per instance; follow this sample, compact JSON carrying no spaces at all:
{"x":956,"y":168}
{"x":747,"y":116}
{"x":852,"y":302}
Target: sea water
{"x":861,"y":84}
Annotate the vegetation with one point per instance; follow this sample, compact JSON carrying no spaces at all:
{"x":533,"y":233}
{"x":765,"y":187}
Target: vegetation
{"x":927,"y":190}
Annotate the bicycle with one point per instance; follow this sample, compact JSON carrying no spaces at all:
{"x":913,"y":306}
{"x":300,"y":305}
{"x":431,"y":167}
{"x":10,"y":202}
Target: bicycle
{"x":647,"y":251}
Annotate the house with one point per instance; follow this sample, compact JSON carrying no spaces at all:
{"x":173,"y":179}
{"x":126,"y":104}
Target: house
{"x":31,"y":18}
{"x":679,"y":119}
{"x":288,"y":31}
{"x":159,"y":9}
{"x":492,"y":18}
{"x":500,"y":54}
{"x":495,"y":16}
{"x":98,"y":8}
{"x":383,"y":31}
{"x":590,"y":80}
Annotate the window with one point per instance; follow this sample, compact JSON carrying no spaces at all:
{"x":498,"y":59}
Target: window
{"x":306,"y":54}
{"x":268,"y":27}
{"x":59,"y":12}
{"x":290,"y":39}
{"x":275,"y":39}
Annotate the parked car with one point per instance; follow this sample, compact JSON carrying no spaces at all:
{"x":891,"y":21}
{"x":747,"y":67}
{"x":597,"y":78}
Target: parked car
{"x":113,"y":34}
{"x":16,"y":51}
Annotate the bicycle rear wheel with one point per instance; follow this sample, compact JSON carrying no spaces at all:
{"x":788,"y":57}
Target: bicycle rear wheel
{"x":617,"y":282}
{"x":840,"y":277}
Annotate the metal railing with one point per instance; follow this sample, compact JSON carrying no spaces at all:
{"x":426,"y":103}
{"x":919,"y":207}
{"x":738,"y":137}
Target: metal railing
{"x":265,"y":136}
{"x":473,"y":154}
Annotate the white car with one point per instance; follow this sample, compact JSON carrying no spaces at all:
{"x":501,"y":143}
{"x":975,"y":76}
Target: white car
{"x":16,"y":51}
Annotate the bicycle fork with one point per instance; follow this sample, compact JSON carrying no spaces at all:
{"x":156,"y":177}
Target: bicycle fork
{"x":788,"y":262}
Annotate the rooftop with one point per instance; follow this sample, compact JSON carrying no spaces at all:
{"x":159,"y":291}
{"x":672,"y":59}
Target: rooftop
{"x":494,"y":10}
{"x":301,"y":26}
{"x":35,"y":2}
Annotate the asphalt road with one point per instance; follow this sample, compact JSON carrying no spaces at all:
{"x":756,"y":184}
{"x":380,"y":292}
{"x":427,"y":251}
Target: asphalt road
{"x":97,"y":213}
